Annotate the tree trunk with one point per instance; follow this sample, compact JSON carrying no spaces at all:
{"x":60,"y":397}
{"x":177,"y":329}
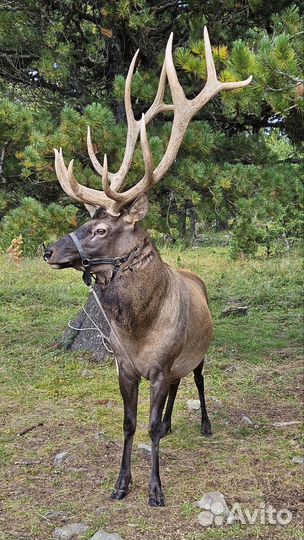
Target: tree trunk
{"x":192,"y":230}
{"x":3,"y":156}
{"x":88,"y":340}
{"x":182,"y":224}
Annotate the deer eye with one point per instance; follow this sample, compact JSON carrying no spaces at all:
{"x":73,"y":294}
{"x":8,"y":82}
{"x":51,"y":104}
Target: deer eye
{"x":101,"y":232}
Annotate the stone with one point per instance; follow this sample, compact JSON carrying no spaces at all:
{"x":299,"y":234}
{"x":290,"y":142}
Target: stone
{"x":246,"y":421}
{"x":70,"y":532}
{"x":146,"y":448}
{"x":298,"y":460}
{"x":100,"y":436}
{"x":53,"y":515}
{"x":60,"y":458}
{"x":232,"y":368}
{"x":102,"y":535}
{"x":110,"y":405}
{"x":216,"y":401}
{"x":88,"y":374}
{"x":193,"y":404}
{"x":286,"y":424}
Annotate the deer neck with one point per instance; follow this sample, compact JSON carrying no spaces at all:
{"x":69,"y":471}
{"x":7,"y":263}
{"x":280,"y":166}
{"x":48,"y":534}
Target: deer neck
{"x":133,"y":297}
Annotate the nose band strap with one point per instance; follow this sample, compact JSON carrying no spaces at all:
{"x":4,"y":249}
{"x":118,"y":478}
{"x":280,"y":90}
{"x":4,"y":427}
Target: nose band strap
{"x":87,"y":262}
{"x":81,"y":251}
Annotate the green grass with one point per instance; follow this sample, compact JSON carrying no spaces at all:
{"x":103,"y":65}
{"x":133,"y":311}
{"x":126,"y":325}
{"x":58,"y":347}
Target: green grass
{"x":41,"y":383}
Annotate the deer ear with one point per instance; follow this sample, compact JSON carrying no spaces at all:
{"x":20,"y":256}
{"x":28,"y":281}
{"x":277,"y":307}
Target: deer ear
{"x":91,"y":209}
{"x":138,"y":209}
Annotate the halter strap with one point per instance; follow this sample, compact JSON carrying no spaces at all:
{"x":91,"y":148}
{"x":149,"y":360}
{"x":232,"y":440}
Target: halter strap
{"x":88,"y":262}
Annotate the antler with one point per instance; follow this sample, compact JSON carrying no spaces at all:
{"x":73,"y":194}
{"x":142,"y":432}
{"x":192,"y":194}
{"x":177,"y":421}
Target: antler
{"x":184,"y":110}
{"x":134,"y":126}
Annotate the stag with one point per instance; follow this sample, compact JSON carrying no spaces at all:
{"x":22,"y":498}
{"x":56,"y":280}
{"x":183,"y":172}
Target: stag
{"x":159,"y":317}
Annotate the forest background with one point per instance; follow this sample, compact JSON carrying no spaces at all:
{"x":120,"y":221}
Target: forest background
{"x":237,"y":179}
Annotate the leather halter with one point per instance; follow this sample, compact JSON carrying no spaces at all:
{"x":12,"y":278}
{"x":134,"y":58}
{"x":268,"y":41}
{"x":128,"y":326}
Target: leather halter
{"x":88,"y":262}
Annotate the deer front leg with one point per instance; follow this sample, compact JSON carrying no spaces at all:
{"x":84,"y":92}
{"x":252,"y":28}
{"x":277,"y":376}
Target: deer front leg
{"x":158,"y":395}
{"x":129,"y":392}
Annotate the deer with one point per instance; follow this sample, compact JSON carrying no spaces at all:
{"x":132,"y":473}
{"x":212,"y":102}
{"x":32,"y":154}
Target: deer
{"x":159,"y":317}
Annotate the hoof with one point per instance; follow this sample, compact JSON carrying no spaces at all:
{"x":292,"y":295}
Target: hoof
{"x":156,"y":501}
{"x":118,"y":494}
{"x":206,"y":431}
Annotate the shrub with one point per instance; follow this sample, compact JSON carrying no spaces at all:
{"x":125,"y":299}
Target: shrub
{"x":15,"y":250}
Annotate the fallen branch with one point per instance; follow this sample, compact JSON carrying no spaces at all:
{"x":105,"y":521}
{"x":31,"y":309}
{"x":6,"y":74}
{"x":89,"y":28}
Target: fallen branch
{"x":30,"y":429}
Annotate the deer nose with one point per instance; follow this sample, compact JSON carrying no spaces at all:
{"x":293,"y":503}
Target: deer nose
{"x":47,"y":255}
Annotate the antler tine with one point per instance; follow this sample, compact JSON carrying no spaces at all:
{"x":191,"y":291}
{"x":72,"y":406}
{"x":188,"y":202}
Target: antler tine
{"x":213,"y":85}
{"x":211,"y":71}
{"x":128,"y":102}
{"x":145,"y":183}
{"x":77,"y":191}
{"x":132,"y":134}
{"x":62,"y":175}
{"x":133,"y":130}
{"x":105,"y":180}
{"x":117,"y":179}
{"x":93,"y":158}
{"x":158,"y":104}
{"x":185,"y":109}
{"x":89,"y":195}
{"x":147,"y":154}
{"x":178,"y":96}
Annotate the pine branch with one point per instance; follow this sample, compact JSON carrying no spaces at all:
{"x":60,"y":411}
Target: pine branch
{"x":296,"y":80}
{"x":244,"y":161}
{"x":289,"y":87}
{"x":15,"y":55}
{"x":163,"y":7}
{"x":28,"y":81}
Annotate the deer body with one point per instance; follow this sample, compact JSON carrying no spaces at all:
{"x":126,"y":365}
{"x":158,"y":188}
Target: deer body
{"x":173,"y":305}
{"x":160,"y":319}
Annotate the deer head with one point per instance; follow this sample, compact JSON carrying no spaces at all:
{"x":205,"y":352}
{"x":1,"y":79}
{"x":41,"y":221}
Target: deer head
{"x":119,"y":215}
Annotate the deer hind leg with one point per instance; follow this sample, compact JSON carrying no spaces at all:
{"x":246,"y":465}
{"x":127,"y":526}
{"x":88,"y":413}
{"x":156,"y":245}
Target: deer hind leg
{"x":129,"y":392}
{"x":159,"y":392}
{"x":199,"y":381}
{"x":166,"y":422}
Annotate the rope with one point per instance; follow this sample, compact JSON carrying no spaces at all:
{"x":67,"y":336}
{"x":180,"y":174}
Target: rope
{"x":95,"y":327}
{"x":87,"y":262}
{"x":113,"y":331}
{"x":103,"y":336}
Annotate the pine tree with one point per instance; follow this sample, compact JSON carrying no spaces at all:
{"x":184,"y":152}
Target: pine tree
{"x":223,"y":147}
